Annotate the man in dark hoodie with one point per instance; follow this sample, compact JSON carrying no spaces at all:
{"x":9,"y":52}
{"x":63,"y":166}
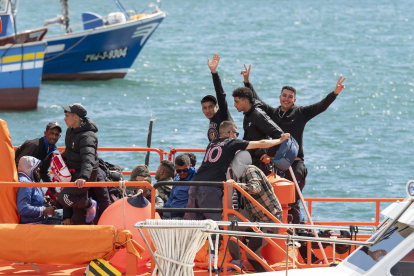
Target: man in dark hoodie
{"x":292,"y":119}
{"x":216,"y":114}
{"x":257,"y":125}
{"x":42,"y":149}
{"x":82,"y":159}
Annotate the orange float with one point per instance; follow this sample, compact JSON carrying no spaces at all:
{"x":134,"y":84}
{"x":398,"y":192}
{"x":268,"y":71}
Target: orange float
{"x":113,"y":215}
{"x":8,"y":207}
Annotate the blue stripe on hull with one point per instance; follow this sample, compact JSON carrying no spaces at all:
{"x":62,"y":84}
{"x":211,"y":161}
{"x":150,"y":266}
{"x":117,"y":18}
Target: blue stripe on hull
{"x":13,"y":78}
{"x":108,"y":50}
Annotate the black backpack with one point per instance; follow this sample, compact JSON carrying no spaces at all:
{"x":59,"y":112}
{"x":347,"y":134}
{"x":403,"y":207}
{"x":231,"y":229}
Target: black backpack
{"x":113,"y":173}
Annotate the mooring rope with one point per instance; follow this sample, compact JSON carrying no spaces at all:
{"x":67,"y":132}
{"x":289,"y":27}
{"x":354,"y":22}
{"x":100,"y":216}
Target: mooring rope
{"x":177,"y":248}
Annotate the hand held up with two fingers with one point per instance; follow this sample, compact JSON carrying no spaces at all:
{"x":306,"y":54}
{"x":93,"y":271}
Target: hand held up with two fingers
{"x":246,"y":73}
{"x":339,"y":85}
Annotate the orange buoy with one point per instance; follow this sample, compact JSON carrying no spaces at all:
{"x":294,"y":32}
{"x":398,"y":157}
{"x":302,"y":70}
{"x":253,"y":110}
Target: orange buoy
{"x":136,"y":209}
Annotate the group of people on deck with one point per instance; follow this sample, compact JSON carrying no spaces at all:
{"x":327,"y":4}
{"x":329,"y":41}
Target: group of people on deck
{"x":242,"y":162}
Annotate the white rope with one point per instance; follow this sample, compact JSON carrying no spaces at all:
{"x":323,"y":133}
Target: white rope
{"x":177,"y":248}
{"x":123,"y":188}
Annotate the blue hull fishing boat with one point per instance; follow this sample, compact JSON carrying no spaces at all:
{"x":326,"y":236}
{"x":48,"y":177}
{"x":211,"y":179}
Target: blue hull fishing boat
{"x":21,"y":62}
{"x":105,"y":48}
{"x":20,"y":74}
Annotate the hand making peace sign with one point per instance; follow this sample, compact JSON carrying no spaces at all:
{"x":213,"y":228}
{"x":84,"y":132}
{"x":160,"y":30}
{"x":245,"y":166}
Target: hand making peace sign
{"x":246,"y":73}
{"x":214,"y":63}
{"x":339,"y":85}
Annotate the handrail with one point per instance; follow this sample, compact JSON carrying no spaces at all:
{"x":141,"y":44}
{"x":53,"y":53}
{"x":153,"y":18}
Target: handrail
{"x":377,"y":201}
{"x":160,"y":152}
{"x":173,"y":151}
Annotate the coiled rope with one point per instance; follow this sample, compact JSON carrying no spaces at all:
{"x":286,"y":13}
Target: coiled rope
{"x":177,"y":248}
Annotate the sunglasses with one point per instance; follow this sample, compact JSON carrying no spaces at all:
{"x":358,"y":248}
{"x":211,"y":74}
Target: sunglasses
{"x":237,"y":134}
{"x":182,"y":171}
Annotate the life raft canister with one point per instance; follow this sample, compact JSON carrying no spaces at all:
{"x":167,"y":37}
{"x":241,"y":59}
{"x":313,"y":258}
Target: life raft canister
{"x":59,"y":168}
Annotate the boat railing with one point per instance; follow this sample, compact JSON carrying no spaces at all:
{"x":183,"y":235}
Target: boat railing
{"x":160,"y":152}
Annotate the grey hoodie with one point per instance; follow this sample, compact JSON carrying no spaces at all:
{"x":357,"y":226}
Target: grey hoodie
{"x":27,"y":164}
{"x":240,"y":161}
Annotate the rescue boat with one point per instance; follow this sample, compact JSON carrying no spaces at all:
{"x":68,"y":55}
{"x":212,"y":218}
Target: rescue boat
{"x":68,"y":250}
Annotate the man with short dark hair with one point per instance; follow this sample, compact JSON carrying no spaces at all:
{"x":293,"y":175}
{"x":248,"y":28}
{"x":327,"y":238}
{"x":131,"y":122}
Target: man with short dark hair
{"x":165,"y":172}
{"x":257,"y":125}
{"x":292,"y":118}
{"x":42,"y":149}
{"x":216,"y":114}
{"x":82,"y":158}
{"x":179,"y":194}
{"x":193,"y":158}
{"x":219,"y":154}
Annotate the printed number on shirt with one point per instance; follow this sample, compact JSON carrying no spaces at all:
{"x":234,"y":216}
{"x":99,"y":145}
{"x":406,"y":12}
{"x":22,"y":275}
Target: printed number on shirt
{"x":210,"y":152}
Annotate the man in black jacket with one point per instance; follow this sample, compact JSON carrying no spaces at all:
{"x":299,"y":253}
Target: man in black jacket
{"x":215,"y":114}
{"x":82,"y":159}
{"x":42,"y":149}
{"x":292,"y":119}
{"x":257,"y":125}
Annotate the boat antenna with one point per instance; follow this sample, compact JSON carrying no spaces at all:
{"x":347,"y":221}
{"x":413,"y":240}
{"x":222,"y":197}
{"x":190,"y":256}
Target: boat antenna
{"x":152,"y":120}
{"x":65,"y":11}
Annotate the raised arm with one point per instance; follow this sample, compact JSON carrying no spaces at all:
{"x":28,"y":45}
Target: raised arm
{"x":266,"y":108}
{"x":220,"y":94}
{"x":263,"y":144}
{"x":313,"y":110}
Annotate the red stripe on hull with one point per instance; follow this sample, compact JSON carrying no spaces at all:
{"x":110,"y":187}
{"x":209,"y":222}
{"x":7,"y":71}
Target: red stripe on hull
{"x":83,"y":76}
{"x":19,"y":98}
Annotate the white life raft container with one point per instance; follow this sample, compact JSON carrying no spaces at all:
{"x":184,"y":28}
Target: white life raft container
{"x":115,"y":17}
{"x":59,"y":168}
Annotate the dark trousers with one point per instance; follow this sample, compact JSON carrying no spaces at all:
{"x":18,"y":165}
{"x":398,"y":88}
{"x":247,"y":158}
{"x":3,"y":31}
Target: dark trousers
{"x":300,"y":171}
{"x":76,"y":199}
{"x":101,"y":195}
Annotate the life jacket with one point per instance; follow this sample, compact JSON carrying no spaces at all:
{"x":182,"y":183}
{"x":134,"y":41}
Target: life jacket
{"x":59,"y":168}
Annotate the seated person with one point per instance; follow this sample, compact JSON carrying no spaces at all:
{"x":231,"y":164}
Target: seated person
{"x":254,"y":182}
{"x":193,"y":158}
{"x":30,"y":200}
{"x":141,"y":173}
{"x":165,"y":172}
{"x":179,"y":194}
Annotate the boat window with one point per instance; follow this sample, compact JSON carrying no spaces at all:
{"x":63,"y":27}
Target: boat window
{"x":405,"y":266}
{"x":366,"y":257}
{"x":3,"y":4}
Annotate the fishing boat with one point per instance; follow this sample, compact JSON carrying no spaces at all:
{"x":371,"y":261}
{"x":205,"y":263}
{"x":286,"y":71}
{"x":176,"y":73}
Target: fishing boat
{"x":21,"y":62}
{"x":24,"y":252}
{"x":106,"y":47}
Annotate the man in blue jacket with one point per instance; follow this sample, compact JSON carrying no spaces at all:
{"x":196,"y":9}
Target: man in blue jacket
{"x":30,"y":200}
{"x":179,"y":194}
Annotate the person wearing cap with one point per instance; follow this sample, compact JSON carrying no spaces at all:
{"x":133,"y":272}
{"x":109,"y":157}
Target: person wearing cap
{"x":179,"y":194}
{"x":293,"y":119}
{"x":82,"y":159}
{"x":216,"y":114}
{"x":252,"y":180}
{"x":141,"y":173}
{"x":42,"y":149}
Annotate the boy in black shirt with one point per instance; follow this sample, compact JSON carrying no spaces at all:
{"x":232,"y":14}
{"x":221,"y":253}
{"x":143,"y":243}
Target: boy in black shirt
{"x":219,"y":154}
{"x":292,"y":118}
{"x":215,"y":114}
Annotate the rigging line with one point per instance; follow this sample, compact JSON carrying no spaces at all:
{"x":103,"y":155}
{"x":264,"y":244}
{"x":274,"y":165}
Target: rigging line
{"x":70,"y":48}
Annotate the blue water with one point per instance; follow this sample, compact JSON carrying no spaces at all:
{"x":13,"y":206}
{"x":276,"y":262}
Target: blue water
{"x":360,"y":147}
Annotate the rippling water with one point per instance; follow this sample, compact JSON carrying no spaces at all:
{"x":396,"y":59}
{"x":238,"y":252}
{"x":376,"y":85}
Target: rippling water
{"x":360,"y":147}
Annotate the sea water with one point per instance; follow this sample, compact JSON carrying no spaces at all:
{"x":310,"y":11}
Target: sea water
{"x":362,"y":146}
